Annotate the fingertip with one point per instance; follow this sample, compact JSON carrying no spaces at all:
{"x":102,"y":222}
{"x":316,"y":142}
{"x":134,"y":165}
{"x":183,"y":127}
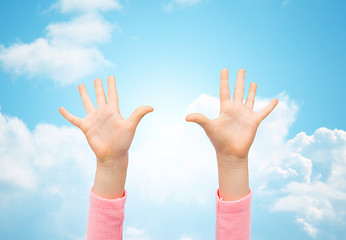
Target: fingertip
{"x":110,"y":77}
{"x":63,"y":111}
{"x":241,"y":70}
{"x":224,"y":74}
{"x":111,"y":80}
{"x":191,"y":117}
{"x":96,"y":81}
{"x":276,"y":102}
{"x":187,"y":118}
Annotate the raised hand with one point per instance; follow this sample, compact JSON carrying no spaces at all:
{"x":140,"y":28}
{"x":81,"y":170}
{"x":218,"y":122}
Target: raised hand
{"x":233,"y":132}
{"x":108,"y":133}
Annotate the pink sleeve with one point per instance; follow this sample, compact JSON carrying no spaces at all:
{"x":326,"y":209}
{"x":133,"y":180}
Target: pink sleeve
{"x":233,"y":218}
{"x":105,"y":218}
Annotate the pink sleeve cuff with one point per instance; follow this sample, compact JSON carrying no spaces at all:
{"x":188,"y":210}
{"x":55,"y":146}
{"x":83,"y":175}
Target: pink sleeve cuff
{"x":105,"y":217}
{"x":107,"y":203}
{"x":242,"y":204}
{"x":233,"y":218}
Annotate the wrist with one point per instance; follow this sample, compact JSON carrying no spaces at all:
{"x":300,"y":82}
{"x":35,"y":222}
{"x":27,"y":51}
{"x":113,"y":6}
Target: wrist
{"x":110,"y":178}
{"x":231,"y":161}
{"x":111,"y":162}
{"x":233,"y":177}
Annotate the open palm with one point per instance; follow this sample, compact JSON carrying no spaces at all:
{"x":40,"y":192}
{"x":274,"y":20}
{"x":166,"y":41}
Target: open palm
{"x":108,"y":133}
{"x":233,"y":132}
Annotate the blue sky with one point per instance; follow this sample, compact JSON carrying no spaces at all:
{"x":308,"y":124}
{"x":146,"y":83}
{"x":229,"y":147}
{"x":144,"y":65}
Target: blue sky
{"x":168,"y":54}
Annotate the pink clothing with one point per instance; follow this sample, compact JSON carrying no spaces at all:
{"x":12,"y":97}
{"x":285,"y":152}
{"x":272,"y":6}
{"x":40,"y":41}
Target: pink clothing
{"x":106,"y":216}
{"x":233,"y":218}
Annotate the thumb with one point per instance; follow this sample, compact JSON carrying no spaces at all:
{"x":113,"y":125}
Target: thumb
{"x":198,"y":118}
{"x":138,"y":114}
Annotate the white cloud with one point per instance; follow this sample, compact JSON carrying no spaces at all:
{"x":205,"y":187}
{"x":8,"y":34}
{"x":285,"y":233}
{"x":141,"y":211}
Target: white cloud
{"x":304,"y":175}
{"x":69,"y":50}
{"x":16,"y":169}
{"x":67,"y":54}
{"x":179,"y":4}
{"x":317,"y":192}
{"x":87,"y":5}
{"x":293,"y":173}
{"x":188,"y":172}
{"x":133,"y":233}
{"x":26,"y":157}
{"x":185,"y":238}
{"x":312,"y":231}
{"x":173,"y":167}
{"x":85,"y":30}
{"x":47,"y":170}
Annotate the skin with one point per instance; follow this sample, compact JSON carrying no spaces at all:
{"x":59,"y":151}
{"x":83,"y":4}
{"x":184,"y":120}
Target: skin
{"x":109,"y":136}
{"x":232,"y":134}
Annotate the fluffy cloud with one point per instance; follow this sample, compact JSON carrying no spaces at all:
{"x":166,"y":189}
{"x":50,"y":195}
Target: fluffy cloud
{"x":185,"y":162}
{"x":133,"y":233}
{"x":180,"y":4}
{"x":185,"y":238}
{"x":318,"y":188}
{"x":44,"y":175}
{"x":312,"y":231}
{"x":16,"y":168}
{"x":84,"y":30}
{"x":87,"y":5}
{"x":69,"y":51}
{"x":46,"y":150}
{"x":304,"y":175}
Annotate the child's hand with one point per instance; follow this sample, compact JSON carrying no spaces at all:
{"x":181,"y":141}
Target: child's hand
{"x":108,"y":134}
{"x":234,"y":131}
{"x":232,"y":134}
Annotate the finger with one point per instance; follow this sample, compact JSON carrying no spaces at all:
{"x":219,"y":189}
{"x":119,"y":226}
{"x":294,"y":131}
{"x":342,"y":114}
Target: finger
{"x":198,"y":118}
{"x":267,"y":109}
{"x":88,"y":105}
{"x":224,"y":88}
{"x":100,"y":93}
{"x":70,"y":117}
{"x":250,"y":100}
{"x":112,"y":93}
{"x":239,"y":86}
{"x":138,"y":114}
